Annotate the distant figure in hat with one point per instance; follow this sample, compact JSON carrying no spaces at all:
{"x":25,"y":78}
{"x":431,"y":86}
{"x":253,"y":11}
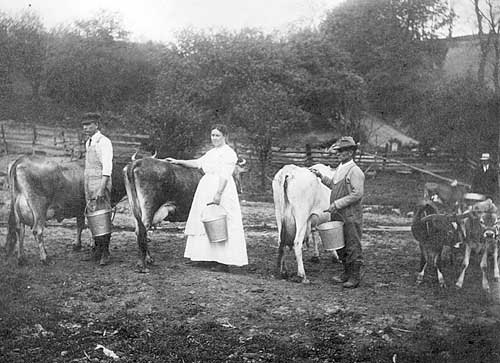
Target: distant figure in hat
{"x":485,"y":179}
{"x":97,"y":175}
{"x":347,"y":185}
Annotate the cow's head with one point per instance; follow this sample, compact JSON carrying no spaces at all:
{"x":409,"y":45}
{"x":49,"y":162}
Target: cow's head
{"x":482,"y":220}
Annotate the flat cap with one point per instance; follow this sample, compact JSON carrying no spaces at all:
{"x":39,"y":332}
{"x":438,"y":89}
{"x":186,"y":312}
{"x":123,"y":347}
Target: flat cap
{"x":91,"y":117}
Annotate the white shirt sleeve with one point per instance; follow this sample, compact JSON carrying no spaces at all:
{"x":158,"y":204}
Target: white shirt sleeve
{"x":106,"y":153}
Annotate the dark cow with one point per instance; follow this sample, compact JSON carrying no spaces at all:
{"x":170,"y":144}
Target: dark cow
{"x":481,"y":236}
{"x":42,"y":189}
{"x":433,"y":232}
{"x":158,"y":190}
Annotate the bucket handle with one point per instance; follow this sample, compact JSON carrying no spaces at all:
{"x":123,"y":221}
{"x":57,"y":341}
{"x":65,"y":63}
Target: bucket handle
{"x":88,"y":203}
{"x":337,"y":213}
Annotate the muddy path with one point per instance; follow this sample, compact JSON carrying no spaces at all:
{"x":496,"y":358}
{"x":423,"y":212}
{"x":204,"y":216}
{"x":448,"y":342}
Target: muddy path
{"x":181,"y":312}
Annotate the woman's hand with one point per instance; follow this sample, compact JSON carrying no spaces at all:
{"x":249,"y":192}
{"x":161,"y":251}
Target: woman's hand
{"x":217,"y":197}
{"x":171,"y":160}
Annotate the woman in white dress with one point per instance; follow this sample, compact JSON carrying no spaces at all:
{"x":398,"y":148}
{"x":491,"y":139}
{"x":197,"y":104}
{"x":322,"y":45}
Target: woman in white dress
{"x":216,"y":186}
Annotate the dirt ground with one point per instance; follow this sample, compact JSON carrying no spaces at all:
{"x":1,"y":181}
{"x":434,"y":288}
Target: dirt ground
{"x":180,"y":312}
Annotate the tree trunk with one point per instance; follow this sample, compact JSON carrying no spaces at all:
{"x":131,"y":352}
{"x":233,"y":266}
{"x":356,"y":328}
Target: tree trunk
{"x":483,"y":44}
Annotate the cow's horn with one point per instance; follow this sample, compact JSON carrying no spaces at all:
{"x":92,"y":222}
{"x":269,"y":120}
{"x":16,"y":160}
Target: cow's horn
{"x":242,"y":162}
{"x":134,"y":156}
{"x":155,"y":154}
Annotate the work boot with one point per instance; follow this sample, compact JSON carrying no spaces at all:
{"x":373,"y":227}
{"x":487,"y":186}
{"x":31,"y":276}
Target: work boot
{"x":343,"y":277}
{"x":105,"y":256}
{"x":354,"y":277}
{"x":93,"y":255}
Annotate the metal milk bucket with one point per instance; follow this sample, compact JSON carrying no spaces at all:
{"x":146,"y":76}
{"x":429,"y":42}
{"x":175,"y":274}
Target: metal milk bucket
{"x":214,"y":218}
{"x":332,"y":235}
{"x":99,"y":221}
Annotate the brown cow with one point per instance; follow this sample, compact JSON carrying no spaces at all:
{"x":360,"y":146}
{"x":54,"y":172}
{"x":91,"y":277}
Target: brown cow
{"x":42,"y":189}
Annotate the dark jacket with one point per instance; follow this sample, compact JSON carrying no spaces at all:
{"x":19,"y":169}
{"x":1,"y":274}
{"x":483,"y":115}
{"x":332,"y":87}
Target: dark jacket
{"x":486,"y":182}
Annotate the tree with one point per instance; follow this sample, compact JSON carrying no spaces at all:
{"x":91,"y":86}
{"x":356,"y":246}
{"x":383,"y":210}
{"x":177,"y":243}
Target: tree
{"x":91,"y":66}
{"x":389,"y":47}
{"x":28,"y":46}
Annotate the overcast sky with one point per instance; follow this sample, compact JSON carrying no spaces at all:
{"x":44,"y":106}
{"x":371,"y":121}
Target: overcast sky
{"x":159,"y":19}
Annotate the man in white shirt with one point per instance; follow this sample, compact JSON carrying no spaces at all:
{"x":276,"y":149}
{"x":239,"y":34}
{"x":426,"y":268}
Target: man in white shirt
{"x":98,"y":168}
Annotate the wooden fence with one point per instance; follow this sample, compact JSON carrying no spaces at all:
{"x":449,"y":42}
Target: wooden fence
{"x":56,"y":141}
{"x":306,"y":157}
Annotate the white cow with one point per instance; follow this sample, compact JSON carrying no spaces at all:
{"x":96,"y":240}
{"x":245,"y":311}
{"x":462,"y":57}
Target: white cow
{"x":298,"y":194}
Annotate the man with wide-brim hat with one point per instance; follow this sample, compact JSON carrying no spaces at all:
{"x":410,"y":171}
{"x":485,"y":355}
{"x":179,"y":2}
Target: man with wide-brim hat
{"x":485,"y":180}
{"x":97,"y":176}
{"x":347,"y":185}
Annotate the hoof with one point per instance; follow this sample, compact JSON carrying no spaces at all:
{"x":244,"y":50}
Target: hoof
{"x":315,"y":259}
{"x":150,"y":260}
{"x":442,"y":285}
{"x":77,"y":248}
{"x":142,"y":270}
{"x":458,"y":286}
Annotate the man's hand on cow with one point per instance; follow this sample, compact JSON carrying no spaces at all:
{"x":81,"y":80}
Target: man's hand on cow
{"x":315,"y":172}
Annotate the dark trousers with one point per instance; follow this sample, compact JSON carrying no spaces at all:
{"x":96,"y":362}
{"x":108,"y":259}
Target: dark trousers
{"x":351,"y":252}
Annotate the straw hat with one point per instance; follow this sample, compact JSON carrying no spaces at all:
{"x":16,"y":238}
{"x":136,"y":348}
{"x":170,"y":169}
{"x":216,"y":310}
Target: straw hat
{"x":345,"y":142}
{"x":485,"y":156}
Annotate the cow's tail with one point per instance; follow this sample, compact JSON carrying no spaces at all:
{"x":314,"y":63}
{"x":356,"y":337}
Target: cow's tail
{"x":288,"y":225}
{"x":130,"y":186}
{"x":11,"y":238}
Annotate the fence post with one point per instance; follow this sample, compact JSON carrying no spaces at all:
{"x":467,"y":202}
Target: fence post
{"x":4,"y":141}
{"x":309,"y":160}
{"x":34,"y":140}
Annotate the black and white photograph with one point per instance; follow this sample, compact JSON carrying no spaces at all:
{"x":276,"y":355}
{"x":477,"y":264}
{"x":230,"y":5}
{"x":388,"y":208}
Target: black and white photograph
{"x":249,"y":181}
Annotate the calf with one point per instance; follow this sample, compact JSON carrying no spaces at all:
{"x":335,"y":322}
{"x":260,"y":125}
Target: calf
{"x":481,"y":236}
{"x":434,"y":231}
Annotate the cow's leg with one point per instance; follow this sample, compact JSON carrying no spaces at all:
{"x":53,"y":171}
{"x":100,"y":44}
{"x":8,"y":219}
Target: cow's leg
{"x":465,"y":264}
{"x":297,"y":247}
{"x":20,"y":231}
{"x":80,"y":225}
{"x":496,"y":272}
{"x":423,"y":265}
{"x":12,"y":230}
{"x":142,"y":243}
{"x":484,"y":269}
{"x":437,"y":265}
{"x":315,"y":242}
{"x":281,"y":268}
{"x":301,"y":273}
{"x":38,"y":234}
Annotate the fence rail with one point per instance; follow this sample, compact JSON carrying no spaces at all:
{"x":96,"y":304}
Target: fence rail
{"x":56,"y":141}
